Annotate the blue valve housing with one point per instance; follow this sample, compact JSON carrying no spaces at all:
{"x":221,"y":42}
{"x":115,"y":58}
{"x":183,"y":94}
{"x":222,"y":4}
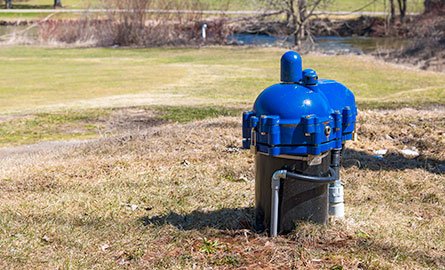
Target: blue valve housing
{"x":302,"y":115}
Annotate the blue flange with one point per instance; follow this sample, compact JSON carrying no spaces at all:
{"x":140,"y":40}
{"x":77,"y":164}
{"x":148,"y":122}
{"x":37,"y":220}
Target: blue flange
{"x":302,"y":115}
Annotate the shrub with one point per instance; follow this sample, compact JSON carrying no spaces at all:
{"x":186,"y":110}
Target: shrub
{"x":132,"y":23}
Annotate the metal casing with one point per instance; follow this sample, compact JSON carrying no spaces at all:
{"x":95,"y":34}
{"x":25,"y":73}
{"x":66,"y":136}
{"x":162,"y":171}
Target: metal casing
{"x":301,"y":116}
{"x":299,"y":201}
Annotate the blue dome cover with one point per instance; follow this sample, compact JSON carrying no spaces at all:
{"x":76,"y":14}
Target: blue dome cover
{"x":291,"y":101}
{"x":300,"y":116}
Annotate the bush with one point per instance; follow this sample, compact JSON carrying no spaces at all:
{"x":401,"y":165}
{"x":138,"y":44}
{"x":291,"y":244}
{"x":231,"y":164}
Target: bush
{"x":127,"y":23}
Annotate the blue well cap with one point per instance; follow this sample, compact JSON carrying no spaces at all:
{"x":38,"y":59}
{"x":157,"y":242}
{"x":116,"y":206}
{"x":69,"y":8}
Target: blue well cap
{"x":292,"y":117}
{"x":310,"y":77}
{"x":291,"y":67}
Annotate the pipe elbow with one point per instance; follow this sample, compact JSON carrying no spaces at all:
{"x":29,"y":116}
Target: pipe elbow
{"x":276,"y":177}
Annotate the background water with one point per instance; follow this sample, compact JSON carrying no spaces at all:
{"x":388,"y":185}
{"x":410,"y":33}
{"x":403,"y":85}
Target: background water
{"x":326,"y":44}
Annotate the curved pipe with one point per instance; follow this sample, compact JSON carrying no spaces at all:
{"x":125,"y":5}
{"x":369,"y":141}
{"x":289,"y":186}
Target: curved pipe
{"x":313,"y":179}
{"x":276,"y":183}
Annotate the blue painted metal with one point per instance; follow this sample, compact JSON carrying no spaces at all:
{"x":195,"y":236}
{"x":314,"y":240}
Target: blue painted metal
{"x":302,"y":115}
{"x":291,"y":67}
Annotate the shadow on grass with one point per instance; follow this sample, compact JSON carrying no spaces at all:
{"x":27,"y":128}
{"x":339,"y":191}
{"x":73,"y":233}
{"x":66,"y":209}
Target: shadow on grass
{"x":310,"y":239}
{"x":391,"y":162}
{"x":223,"y":219}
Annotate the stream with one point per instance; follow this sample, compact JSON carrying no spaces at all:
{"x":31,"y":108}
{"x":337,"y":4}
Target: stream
{"x":325,"y":44}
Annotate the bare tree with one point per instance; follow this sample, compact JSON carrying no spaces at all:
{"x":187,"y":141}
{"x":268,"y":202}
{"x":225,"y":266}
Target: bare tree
{"x":298,"y":14}
{"x":402,"y":9}
{"x":392,"y":15}
{"x":8,"y":4}
{"x":57,"y":3}
{"x":401,"y":4}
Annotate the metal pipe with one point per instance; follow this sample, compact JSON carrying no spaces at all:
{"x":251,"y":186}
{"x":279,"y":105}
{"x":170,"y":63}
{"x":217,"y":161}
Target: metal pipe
{"x":336,"y":193}
{"x":275,"y":185}
{"x":276,"y":177}
{"x":204,"y":31}
{"x":313,"y":179}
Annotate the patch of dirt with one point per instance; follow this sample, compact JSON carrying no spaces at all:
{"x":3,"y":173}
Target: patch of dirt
{"x":130,"y":120}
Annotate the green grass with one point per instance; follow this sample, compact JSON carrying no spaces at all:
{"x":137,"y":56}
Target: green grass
{"x":51,"y":126}
{"x":180,"y":196}
{"x":91,"y":123}
{"x":183,"y":114}
{"x":377,"y":6}
{"x":45,"y":79}
{"x":336,"y":5}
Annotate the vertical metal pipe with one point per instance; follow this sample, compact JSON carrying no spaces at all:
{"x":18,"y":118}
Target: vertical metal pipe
{"x":204,"y":31}
{"x":336,"y":193}
{"x":275,"y":202}
{"x":274,"y":212}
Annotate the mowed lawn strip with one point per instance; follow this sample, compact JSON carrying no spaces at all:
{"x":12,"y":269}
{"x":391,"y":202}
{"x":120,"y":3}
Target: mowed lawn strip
{"x":41,"y":79}
{"x":337,"y":5}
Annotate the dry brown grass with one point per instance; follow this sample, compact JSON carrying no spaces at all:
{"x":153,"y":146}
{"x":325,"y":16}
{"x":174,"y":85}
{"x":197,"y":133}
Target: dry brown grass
{"x":170,"y":196}
{"x":126,"y":23}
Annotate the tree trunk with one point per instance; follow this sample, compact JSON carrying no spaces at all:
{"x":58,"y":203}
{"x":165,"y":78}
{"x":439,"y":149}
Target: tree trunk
{"x":57,"y":3}
{"x":292,"y":19}
{"x":300,"y":22}
{"x":402,"y":9}
{"x":8,"y":4}
{"x":392,"y":15}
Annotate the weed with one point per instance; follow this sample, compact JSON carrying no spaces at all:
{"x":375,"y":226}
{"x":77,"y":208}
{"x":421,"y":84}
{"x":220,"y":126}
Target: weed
{"x":209,"y":246}
{"x":362,"y":235}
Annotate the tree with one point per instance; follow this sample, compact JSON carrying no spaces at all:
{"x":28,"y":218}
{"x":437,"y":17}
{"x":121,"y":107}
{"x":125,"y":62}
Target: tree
{"x":8,"y":4}
{"x":392,"y":16}
{"x":57,"y":3}
{"x":402,"y":9}
{"x":298,"y":14}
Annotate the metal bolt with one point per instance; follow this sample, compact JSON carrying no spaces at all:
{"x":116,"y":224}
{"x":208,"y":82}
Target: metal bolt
{"x":327,"y":130}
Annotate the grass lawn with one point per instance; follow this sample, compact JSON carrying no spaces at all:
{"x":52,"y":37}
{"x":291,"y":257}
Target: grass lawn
{"x":336,"y":5}
{"x":130,"y":158}
{"x":46,"y":84}
{"x":163,"y":195}
{"x":47,"y":79}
